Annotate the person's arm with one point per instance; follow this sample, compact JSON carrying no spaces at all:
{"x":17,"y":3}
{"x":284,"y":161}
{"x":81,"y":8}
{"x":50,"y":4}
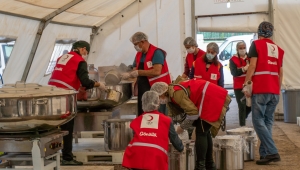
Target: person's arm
{"x":186,"y":72}
{"x":83,"y":76}
{"x":280,"y":76}
{"x":221,"y":79}
{"x":188,"y":107}
{"x":253,"y":60}
{"x":174,"y":138}
{"x":234,"y":70}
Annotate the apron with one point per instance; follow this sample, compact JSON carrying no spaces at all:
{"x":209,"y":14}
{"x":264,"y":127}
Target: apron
{"x":143,"y":85}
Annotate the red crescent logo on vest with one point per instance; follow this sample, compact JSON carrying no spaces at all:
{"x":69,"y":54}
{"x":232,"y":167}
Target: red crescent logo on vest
{"x":151,"y":118}
{"x":273,"y":48}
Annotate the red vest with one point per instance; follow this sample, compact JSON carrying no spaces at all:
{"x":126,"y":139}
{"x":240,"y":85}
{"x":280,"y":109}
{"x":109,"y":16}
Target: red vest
{"x":238,"y":81}
{"x":212,"y":74}
{"x":149,"y":147}
{"x":64,"y":73}
{"x":269,"y":62}
{"x":164,"y":75}
{"x":209,"y":98}
{"x":190,"y":57}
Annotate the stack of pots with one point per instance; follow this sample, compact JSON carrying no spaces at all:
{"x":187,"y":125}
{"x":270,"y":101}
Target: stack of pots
{"x":250,"y":138}
{"x":184,"y":160}
{"x":228,"y":152}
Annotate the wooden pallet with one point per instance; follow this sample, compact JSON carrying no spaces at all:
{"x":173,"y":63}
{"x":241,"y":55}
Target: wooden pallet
{"x":92,"y":134}
{"x":98,"y":157}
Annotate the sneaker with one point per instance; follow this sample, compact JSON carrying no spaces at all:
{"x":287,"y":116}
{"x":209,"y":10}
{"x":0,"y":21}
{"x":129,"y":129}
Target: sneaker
{"x":268,"y":159}
{"x":70,"y":163}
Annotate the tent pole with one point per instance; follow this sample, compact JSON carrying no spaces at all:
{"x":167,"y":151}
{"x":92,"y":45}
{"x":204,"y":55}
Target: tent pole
{"x":44,"y":22}
{"x":193,"y":22}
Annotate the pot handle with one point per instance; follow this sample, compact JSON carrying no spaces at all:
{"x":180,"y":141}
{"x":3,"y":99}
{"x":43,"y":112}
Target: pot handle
{"x":41,"y":101}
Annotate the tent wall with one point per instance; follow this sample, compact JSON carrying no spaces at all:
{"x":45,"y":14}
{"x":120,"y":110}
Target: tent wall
{"x":286,"y":22}
{"x":242,"y":16}
{"x":162,"y":21}
{"x":24,"y":30}
{"x":44,"y":51}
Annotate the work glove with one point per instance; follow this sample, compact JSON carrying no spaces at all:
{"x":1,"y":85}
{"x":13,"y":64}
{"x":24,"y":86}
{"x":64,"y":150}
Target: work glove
{"x":245,"y":68}
{"x":134,"y":74}
{"x":102,"y":86}
{"x":125,"y":76}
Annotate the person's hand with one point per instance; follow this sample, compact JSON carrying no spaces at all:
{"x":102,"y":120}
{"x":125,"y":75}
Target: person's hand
{"x":179,"y":130}
{"x":102,"y":86}
{"x":246,"y":93}
{"x":245,"y":68}
{"x":125,"y":76}
{"x":134,"y":74}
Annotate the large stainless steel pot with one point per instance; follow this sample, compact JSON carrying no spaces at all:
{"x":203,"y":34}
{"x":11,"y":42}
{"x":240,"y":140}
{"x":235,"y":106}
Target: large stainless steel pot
{"x":35,"y":107}
{"x":117,"y":134}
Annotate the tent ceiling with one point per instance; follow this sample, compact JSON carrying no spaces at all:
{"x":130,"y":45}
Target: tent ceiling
{"x":86,"y":13}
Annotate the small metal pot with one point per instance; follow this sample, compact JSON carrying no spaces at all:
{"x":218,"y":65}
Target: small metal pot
{"x":111,"y":95}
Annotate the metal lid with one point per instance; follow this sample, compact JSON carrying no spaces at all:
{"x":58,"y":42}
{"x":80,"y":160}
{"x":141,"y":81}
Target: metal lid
{"x":25,"y":90}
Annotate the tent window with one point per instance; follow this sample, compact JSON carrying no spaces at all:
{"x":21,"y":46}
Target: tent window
{"x":6,"y":47}
{"x":61,"y":47}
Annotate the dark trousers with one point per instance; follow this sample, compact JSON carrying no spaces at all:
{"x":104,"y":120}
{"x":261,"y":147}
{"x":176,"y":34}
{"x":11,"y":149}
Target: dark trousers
{"x":143,"y":86}
{"x":68,"y":141}
{"x":204,"y":144}
{"x":244,"y":110}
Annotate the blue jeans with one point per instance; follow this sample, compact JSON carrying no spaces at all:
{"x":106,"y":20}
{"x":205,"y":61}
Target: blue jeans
{"x":263,"y":107}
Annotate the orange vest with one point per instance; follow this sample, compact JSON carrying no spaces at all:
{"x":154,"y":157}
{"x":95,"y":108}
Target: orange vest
{"x":238,"y":81}
{"x":149,"y":147}
{"x":164,"y":75}
{"x":212,"y":74}
{"x":190,"y":57}
{"x":64,"y":73}
{"x":269,"y":62}
{"x":208,"y":97}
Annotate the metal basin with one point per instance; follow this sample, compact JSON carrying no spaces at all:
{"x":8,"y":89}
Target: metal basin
{"x":38,"y":108}
{"x":117,"y":134}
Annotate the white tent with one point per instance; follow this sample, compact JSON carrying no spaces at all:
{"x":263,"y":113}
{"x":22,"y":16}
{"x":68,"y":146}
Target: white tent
{"x":108,"y":24}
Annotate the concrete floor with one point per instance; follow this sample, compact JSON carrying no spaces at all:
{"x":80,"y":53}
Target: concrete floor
{"x":285,"y":135}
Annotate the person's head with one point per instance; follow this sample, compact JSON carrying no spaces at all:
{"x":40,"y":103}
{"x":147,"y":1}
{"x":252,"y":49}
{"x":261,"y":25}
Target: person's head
{"x":140,"y":41}
{"x":212,"y":50}
{"x":190,"y":44}
{"x":150,"y":101}
{"x":241,"y":48}
{"x":265,"y":30}
{"x":82,"y":48}
{"x":161,"y":88}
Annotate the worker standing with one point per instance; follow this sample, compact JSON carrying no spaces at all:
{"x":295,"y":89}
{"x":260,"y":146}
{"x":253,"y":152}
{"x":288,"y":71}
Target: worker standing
{"x":150,"y":66}
{"x":266,"y":72}
{"x":239,"y":64}
{"x":193,"y":52}
{"x":69,"y":72}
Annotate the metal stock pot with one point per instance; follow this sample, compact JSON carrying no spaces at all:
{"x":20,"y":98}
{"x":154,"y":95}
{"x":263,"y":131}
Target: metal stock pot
{"x":117,"y":134}
{"x":34,"y":107}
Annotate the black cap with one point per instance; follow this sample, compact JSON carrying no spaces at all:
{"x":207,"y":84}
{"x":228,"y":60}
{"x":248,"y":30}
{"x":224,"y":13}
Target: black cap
{"x":81,"y":44}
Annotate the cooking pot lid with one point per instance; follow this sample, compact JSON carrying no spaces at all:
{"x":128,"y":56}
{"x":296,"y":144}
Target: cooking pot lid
{"x":24,"y":90}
